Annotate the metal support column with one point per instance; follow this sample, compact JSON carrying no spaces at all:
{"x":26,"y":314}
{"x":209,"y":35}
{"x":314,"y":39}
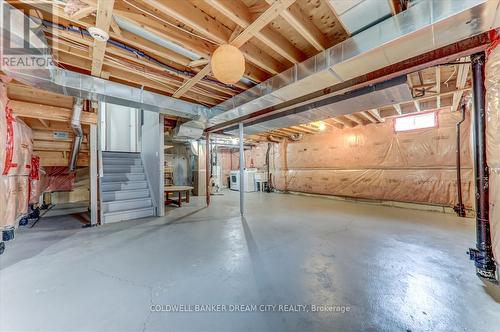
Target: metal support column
{"x":242,"y":171}
{"x":482,"y":254}
{"x":93,"y":174}
{"x":207,"y":168}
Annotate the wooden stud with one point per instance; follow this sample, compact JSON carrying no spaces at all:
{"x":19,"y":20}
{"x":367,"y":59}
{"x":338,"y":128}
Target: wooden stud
{"x":461,"y":80}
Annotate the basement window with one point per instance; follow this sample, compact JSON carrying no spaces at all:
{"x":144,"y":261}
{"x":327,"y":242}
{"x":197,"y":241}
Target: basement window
{"x":418,"y":121}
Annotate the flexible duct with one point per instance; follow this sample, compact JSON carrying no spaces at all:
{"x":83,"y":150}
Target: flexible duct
{"x":274,"y":139}
{"x":296,"y":137}
{"x":77,"y":129}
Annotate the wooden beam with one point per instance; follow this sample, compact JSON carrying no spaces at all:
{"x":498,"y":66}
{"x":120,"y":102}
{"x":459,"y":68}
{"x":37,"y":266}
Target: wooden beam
{"x":397,"y":107}
{"x":239,"y":40}
{"x":191,"y":16}
{"x":461,"y":80}
{"x":48,"y":135}
{"x":344,"y":121}
{"x":237,"y":12}
{"x":303,"y":26}
{"x":438,"y":86}
{"x":270,"y":14}
{"x":29,"y":94}
{"x":115,"y":27}
{"x":188,"y":84}
{"x":51,"y":113}
{"x":334,"y":123}
{"x":44,"y":123}
{"x":417,"y":105}
{"x":103,"y":21}
{"x":376,"y":114}
{"x":59,"y":158}
{"x":337,"y":16}
{"x":368,"y":116}
{"x":152,"y":80}
{"x":56,"y":146}
{"x":354,"y":119}
{"x":83,"y":12}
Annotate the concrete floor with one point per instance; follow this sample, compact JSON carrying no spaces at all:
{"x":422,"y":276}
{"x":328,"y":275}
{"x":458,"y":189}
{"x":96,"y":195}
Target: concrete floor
{"x":396,"y":270}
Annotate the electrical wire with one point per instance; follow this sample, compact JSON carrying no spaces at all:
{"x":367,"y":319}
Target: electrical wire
{"x":136,"y":52}
{"x":171,"y":24}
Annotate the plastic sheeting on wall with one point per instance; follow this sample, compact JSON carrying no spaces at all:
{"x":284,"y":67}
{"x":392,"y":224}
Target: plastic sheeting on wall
{"x":375,"y":162}
{"x":16,"y":147}
{"x":15,"y":139}
{"x":14,"y":192}
{"x":492,"y":82}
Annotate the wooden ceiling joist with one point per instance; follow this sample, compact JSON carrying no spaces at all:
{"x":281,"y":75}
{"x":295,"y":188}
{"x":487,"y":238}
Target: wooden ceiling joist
{"x":376,"y":114}
{"x":304,"y":27}
{"x":368,"y":117}
{"x":242,"y":38}
{"x":103,"y":22}
{"x":354,"y":119}
{"x":237,"y":12}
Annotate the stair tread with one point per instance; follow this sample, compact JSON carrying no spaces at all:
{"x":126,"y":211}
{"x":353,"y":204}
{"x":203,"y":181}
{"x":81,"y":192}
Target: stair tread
{"x":123,"y":173}
{"x":128,"y":210}
{"x":130,"y":200}
{"x":126,"y":190}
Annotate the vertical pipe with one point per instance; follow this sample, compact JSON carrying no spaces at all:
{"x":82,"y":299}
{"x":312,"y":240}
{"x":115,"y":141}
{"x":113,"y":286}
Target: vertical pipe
{"x":207,"y":167}
{"x":482,"y":255}
{"x":459,"y":208}
{"x":242,"y":169}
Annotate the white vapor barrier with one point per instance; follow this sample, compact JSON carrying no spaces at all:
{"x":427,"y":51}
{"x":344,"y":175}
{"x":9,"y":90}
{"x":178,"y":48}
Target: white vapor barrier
{"x":493,"y":143}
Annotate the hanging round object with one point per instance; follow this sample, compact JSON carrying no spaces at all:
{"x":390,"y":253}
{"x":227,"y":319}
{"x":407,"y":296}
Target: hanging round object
{"x":228,"y":64}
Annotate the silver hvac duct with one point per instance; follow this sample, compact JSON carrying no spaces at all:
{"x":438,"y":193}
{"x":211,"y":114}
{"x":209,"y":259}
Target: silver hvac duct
{"x":378,"y":95}
{"x":48,"y":77}
{"x":77,"y":129}
{"x":425,"y":26}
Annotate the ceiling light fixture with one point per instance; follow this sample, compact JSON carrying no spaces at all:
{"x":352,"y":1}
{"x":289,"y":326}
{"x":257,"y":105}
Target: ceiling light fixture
{"x":228,"y":64}
{"x":98,"y":34}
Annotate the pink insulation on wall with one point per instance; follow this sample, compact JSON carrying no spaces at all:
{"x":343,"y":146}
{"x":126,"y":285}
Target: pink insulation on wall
{"x":492,"y":72}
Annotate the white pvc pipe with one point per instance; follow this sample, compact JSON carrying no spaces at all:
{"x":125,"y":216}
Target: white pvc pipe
{"x":242,"y":168}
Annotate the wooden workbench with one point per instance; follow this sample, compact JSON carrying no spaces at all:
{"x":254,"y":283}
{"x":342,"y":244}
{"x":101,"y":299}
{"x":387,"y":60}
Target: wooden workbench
{"x":179,"y":190}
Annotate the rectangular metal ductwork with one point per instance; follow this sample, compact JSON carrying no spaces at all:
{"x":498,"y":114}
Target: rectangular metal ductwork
{"x":426,"y":26}
{"x":376,"y":96}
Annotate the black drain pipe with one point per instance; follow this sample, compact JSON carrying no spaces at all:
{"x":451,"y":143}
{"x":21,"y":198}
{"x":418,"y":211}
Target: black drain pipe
{"x":482,"y":254}
{"x":459,"y":208}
